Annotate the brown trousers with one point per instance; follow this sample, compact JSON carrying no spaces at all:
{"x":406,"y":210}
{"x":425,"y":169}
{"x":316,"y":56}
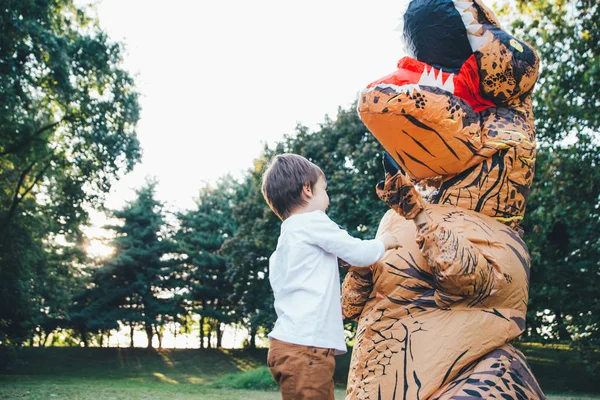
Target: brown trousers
{"x":302,"y":372}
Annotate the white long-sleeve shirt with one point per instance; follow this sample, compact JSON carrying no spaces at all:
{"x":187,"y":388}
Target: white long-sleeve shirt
{"x":304,"y":275}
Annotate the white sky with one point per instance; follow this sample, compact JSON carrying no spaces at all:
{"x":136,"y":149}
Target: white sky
{"x":219,"y":78}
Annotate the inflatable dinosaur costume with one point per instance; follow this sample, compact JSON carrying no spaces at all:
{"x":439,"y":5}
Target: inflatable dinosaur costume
{"x":436,"y":316}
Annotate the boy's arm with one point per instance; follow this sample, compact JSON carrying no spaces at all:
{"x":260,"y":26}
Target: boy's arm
{"x":460,"y":269}
{"x":330,"y":237}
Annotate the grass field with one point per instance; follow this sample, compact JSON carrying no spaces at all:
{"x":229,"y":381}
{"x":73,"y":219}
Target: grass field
{"x":101,"y":373}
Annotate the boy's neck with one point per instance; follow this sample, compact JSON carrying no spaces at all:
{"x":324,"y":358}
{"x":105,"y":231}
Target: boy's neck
{"x":303,"y":209}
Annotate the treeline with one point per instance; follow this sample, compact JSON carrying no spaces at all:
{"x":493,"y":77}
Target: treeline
{"x":64,"y":142}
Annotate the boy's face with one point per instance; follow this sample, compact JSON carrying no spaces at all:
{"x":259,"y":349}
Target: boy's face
{"x":320,"y":199}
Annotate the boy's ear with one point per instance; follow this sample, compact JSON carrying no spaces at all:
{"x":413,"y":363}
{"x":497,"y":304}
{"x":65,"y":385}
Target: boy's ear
{"x":307,"y":190}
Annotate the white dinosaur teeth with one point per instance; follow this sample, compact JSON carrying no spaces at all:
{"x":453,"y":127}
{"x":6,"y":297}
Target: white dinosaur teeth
{"x":476,"y":42}
{"x":474,"y":28}
{"x":429,"y":78}
{"x":409,"y":89}
{"x":438,"y":81}
{"x":462,"y":5}
{"x":449,"y":85}
{"x":467,"y":18}
{"x":424,"y":80}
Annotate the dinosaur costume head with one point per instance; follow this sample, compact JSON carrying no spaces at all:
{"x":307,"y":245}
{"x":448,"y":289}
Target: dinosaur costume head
{"x":435,"y":316}
{"x":458,"y":108}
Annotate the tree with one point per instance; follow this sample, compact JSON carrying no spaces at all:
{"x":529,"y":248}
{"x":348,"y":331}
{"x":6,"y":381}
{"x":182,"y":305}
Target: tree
{"x":248,"y":254}
{"x":140,"y":285}
{"x":564,"y":240}
{"x":200,"y":236}
{"x":67,"y":130}
{"x":563,"y":222}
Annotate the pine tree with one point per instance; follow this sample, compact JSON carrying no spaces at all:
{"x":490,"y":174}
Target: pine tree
{"x":140,"y":285}
{"x":200,"y":236}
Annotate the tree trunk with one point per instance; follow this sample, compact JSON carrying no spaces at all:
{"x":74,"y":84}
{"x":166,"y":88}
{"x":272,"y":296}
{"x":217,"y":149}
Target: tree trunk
{"x":209,"y":334}
{"x":175,"y":335}
{"x":84,"y":337}
{"x":219,"y":335}
{"x":102,"y":338}
{"x":563,"y":334}
{"x":18,"y":197}
{"x":159,"y":336}
{"x":201,"y":332}
{"x":46,"y":336}
{"x":131,"y":335}
{"x":149,"y":334}
{"x":252,"y":337}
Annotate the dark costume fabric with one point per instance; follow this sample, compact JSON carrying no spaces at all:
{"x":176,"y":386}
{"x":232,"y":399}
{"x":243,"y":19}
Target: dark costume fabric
{"x":435,"y":317}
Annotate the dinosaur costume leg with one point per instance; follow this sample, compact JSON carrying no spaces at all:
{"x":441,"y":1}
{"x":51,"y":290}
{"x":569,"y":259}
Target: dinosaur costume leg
{"x":501,"y":374}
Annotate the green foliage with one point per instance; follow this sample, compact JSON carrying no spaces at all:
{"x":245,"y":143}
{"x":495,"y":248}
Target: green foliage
{"x":139,"y":285}
{"x":567,"y":37}
{"x":66,"y":132}
{"x":69,"y":110}
{"x":563,"y":234}
{"x":201,"y":233}
{"x":256,"y":379}
{"x":248,"y":253}
{"x":562,"y":222}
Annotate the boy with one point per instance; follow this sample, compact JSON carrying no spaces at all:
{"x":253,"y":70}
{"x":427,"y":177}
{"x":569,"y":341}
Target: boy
{"x":304,"y":275}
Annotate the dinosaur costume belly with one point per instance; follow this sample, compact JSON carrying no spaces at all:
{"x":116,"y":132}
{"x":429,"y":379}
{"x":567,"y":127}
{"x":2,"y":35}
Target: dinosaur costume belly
{"x":436,"y":316}
{"x":410,"y":343}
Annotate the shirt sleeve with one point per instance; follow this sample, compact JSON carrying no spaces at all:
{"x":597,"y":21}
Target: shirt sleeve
{"x":326,"y":234}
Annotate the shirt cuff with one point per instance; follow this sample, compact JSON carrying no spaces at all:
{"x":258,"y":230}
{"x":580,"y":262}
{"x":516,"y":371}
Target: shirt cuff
{"x":381,"y":249}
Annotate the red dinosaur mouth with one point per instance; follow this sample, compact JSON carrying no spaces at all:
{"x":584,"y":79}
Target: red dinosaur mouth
{"x":412,"y":73}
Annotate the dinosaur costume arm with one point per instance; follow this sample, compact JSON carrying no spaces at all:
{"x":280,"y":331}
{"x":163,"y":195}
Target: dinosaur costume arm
{"x":459,"y":268}
{"x":356,"y":290}
{"x":461,"y":271}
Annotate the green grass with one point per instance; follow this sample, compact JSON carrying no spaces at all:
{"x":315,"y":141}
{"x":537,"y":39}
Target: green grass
{"x":257,"y":379}
{"x":100,"y":373}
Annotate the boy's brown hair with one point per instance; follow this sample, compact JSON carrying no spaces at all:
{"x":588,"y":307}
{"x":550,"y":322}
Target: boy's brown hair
{"x":283,"y":180}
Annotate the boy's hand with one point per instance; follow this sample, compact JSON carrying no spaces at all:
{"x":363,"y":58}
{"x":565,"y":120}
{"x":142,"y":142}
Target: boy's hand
{"x":390,"y":241}
{"x":343,"y":264}
{"x":398,"y":192}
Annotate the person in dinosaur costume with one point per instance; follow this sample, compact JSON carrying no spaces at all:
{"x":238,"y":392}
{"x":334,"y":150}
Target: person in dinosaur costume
{"x":436,"y":316}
